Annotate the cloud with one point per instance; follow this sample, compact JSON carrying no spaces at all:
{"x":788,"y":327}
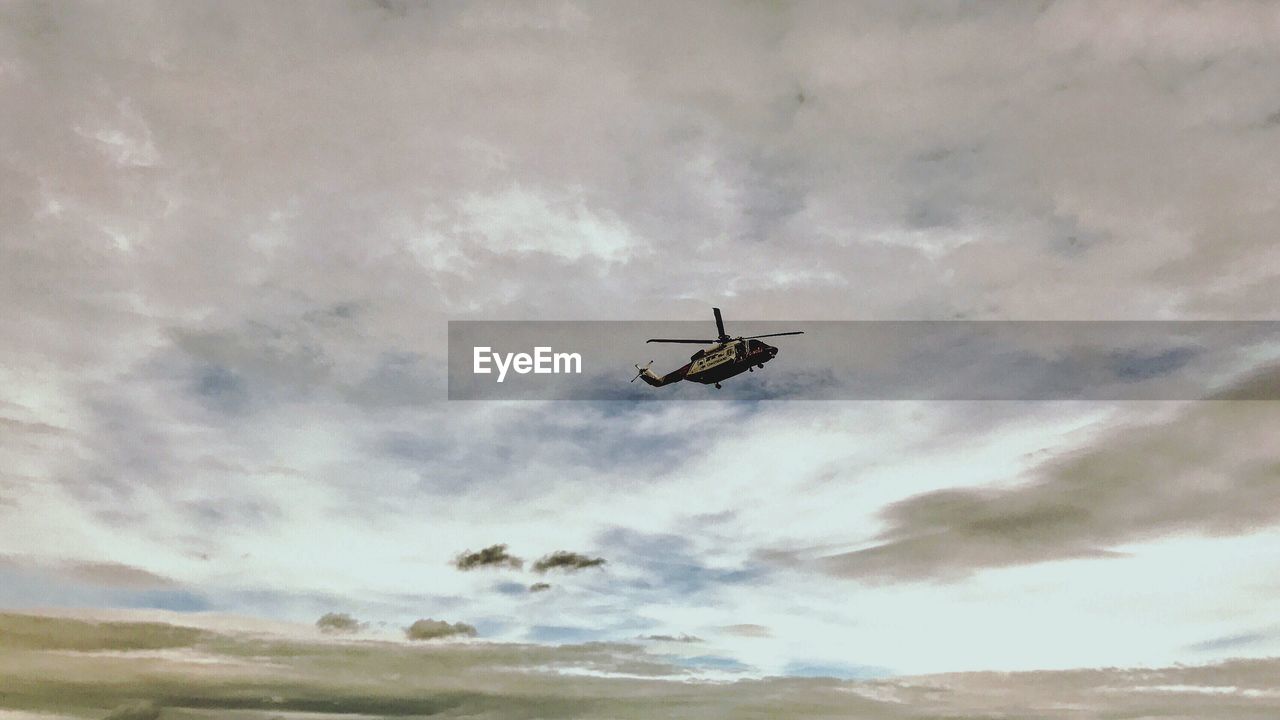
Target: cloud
{"x":116,"y":575}
{"x":566,"y":561}
{"x":511,"y":589}
{"x":276,"y":673}
{"x":34,"y":632}
{"x":718,"y":663}
{"x":518,"y":220}
{"x":140,"y":710}
{"x":672,"y":564}
{"x":562,"y":634}
{"x":1213,"y":470}
{"x":1241,"y":641}
{"x":492,"y":556}
{"x":681,"y":638}
{"x":748,"y":630}
{"x":1261,"y":384}
{"x":339,"y":623}
{"x":35,"y":582}
{"x":539,"y":587}
{"x":428,"y":629}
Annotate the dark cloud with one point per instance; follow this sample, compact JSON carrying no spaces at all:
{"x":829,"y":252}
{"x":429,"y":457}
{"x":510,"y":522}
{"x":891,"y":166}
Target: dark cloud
{"x":428,"y":629}
{"x":566,"y":561}
{"x":1134,"y":365}
{"x":34,"y":632}
{"x":222,"y":388}
{"x":490,"y":557}
{"x":1212,"y":470}
{"x":539,"y":587}
{"x":339,"y":623}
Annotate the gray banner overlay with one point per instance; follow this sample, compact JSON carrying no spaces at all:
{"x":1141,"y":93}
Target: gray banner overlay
{"x":876,"y":360}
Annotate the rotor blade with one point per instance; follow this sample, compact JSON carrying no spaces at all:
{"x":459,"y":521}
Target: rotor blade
{"x":796,"y":332}
{"x":640,"y":370}
{"x":719,"y":322}
{"x":673,"y":340}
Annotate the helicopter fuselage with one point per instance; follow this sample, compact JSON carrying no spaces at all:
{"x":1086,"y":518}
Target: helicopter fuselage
{"x":718,"y":362}
{"x":721,"y":362}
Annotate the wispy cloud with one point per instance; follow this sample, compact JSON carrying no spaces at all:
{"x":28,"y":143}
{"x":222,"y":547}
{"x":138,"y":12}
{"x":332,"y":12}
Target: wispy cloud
{"x":1232,"y":643}
{"x":747,"y":630}
{"x":681,"y":638}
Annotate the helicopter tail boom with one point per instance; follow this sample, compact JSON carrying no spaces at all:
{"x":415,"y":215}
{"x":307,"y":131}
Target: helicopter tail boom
{"x":651,"y":378}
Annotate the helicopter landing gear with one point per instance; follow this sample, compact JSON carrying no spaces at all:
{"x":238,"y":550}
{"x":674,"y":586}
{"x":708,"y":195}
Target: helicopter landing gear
{"x":717,"y":386}
{"x":751,"y":369}
{"x":761,"y":366}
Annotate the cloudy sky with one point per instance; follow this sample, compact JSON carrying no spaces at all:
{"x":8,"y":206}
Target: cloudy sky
{"x":232,"y":234}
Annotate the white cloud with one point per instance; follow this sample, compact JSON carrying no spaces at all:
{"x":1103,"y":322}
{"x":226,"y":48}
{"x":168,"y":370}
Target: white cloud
{"x":521,"y":220}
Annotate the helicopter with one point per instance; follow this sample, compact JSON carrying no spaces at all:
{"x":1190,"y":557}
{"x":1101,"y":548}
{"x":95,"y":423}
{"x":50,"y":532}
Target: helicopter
{"x":725,"y":358}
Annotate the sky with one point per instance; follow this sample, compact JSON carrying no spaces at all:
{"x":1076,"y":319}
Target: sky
{"x":232,"y":236}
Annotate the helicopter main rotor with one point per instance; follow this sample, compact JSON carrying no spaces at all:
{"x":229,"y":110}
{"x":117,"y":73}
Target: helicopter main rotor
{"x":723,"y":338}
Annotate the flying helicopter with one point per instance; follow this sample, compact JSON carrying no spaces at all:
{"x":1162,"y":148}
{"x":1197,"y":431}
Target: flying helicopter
{"x":725,"y":358}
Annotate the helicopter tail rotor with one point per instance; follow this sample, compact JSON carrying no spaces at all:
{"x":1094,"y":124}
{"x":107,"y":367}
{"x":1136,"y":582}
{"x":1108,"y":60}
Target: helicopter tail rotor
{"x":641,"y":370}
